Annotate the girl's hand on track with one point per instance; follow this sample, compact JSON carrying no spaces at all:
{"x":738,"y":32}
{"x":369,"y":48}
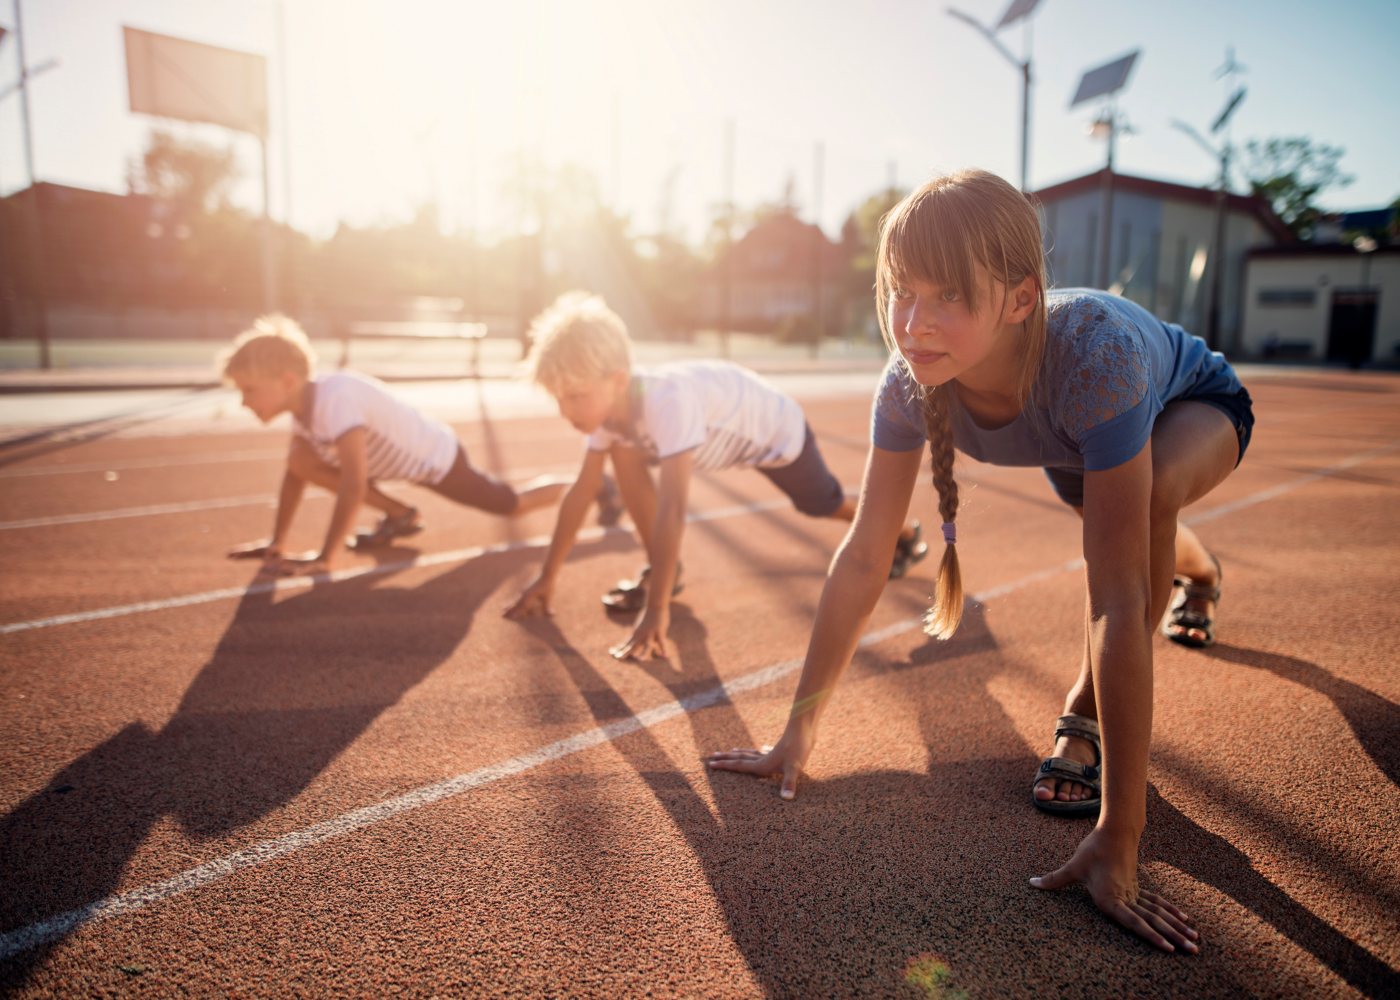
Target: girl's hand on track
{"x":533,"y":600}
{"x":783,"y":761}
{"x":1107,"y":865}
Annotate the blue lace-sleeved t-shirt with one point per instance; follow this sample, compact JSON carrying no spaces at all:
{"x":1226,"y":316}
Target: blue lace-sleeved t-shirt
{"x":1109,"y":368}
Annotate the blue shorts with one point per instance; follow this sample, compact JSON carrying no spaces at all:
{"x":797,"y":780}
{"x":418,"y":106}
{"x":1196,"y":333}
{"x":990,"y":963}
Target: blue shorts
{"x":813,"y":489}
{"x":1237,"y":406}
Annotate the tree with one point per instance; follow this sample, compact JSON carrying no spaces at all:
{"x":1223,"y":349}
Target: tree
{"x":1290,"y":173}
{"x":192,"y":177}
{"x":861,"y":236}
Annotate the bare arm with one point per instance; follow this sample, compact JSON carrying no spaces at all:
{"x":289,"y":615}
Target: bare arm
{"x":663,"y":555}
{"x":853,"y":586}
{"x":1120,"y":550}
{"x":288,"y":502}
{"x":573,"y":508}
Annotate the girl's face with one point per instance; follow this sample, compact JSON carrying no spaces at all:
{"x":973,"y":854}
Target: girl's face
{"x":941,"y":338}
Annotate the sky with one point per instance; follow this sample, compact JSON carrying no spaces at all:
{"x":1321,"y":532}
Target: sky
{"x":385,"y":105}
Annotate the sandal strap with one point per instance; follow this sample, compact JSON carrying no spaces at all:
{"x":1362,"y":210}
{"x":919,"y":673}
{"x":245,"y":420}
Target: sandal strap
{"x":1191,"y":619}
{"x":1201,"y":592}
{"x":1077,"y":725}
{"x":1070,"y":770}
{"x":1083,"y":727}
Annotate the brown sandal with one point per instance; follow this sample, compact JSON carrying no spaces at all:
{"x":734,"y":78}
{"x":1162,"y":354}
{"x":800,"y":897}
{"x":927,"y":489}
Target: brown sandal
{"x":1186,"y":619}
{"x":1071,"y":770}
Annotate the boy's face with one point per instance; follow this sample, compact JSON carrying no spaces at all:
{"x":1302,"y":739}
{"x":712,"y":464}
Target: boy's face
{"x":267,"y":396}
{"x":587,"y":405}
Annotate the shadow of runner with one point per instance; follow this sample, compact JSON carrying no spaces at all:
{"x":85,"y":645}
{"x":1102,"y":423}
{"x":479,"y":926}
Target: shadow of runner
{"x":1176,"y":839}
{"x":289,"y":687}
{"x":1374,"y":720}
{"x":822,"y":896}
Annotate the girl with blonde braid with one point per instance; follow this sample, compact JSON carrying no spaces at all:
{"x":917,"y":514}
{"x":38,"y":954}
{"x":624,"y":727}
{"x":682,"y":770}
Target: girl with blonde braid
{"x":1130,"y":417}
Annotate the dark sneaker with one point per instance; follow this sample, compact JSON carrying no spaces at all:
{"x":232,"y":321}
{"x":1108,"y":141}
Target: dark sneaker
{"x":610,"y":508}
{"x":908,"y":551}
{"x":631,"y":595}
{"x":388,"y":529}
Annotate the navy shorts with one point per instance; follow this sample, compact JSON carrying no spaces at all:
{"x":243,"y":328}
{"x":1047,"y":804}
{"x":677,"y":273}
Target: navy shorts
{"x":813,"y":489}
{"x":1237,"y":407}
{"x":470,"y":486}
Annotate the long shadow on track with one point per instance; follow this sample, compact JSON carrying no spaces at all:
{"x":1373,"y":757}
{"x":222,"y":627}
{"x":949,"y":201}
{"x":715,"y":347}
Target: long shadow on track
{"x":289,"y":687}
{"x":878,"y":882}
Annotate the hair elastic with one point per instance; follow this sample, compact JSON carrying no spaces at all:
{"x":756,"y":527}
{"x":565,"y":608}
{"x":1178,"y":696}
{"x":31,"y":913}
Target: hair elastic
{"x":950,"y":532}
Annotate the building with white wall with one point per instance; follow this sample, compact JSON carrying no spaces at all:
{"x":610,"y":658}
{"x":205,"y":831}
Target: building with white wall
{"x":1160,"y":241}
{"x":1329,"y":302}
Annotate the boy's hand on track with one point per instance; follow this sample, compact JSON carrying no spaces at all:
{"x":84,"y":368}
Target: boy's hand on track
{"x":255,"y":550}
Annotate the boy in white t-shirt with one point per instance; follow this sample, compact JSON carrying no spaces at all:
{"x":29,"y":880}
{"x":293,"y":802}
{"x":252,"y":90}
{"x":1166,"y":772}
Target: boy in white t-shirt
{"x":681,"y":417}
{"x":350,"y":433}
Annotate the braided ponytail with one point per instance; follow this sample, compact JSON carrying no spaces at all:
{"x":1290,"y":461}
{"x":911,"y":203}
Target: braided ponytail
{"x":943,"y":233}
{"x":943,"y":618}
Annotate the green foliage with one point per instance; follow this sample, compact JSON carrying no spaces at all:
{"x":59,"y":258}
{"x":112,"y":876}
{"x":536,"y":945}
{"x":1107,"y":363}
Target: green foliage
{"x":1290,"y":173}
{"x":192,"y":176}
{"x":800,"y":329}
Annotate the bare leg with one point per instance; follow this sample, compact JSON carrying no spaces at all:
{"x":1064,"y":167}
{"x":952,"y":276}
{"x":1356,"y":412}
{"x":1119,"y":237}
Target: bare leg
{"x":1176,"y":551}
{"x":638,"y":491}
{"x":304,"y":463}
{"x":1193,"y":562}
{"x":542,"y":491}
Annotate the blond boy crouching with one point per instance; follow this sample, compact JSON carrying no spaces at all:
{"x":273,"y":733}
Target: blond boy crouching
{"x":681,"y":416}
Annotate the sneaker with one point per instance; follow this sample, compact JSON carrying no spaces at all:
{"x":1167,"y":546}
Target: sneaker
{"x":388,"y":529}
{"x":908,"y":551}
{"x":610,"y":508}
{"x":631,"y":595}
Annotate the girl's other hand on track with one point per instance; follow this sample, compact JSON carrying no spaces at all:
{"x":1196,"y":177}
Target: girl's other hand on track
{"x":784,"y":761}
{"x":1107,"y":865}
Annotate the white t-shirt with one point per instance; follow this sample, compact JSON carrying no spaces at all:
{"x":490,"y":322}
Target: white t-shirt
{"x":726,"y":413}
{"x":400,"y":442}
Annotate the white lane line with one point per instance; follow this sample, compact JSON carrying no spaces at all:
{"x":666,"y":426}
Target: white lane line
{"x":155,"y":510}
{"x":60,"y":926}
{"x":302,"y":582}
{"x":152,"y":511}
{"x":461,"y":555}
{"x":151,"y":463}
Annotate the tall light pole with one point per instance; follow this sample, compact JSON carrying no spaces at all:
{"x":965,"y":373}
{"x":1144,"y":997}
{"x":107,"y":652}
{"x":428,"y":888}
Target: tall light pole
{"x":1020,"y":10}
{"x":1217,"y":249}
{"x":36,"y":224}
{"x":1106,"y":81}
{"x":1217,"y":252}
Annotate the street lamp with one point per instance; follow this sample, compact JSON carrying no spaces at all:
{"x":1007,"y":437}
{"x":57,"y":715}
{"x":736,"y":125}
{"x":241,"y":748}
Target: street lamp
{"x":1217,"y":254}
{"x":1018,"y":11}
{"x":1106,"y":81}
{"x":1217,"y":250}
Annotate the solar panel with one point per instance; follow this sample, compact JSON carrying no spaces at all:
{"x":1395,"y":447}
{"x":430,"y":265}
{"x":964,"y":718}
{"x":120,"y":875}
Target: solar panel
{"x":1017,"y":10}
{"x":1106,"y":79}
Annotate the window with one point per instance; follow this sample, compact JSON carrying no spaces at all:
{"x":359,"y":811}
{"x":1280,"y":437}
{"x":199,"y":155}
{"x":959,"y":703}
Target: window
{"x":1285,"y":297}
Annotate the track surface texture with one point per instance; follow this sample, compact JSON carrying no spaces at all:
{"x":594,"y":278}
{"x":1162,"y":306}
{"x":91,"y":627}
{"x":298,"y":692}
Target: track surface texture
{"x":376,"y":784}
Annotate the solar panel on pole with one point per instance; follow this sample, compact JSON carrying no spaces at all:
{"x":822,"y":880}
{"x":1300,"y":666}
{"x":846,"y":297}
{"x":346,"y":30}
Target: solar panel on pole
{"x":1019,"y":9}
{"x":1105,"y":80}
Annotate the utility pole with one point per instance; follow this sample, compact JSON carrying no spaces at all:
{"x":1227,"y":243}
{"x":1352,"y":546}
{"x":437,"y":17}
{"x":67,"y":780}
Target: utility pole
{"x":1020,"y":10}
{"x":35,"y":213}
{"x":1106,"y":81}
